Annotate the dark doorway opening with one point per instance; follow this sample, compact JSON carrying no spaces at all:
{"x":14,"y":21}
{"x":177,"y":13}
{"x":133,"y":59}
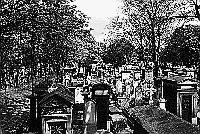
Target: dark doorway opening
{"x":187,"y":108}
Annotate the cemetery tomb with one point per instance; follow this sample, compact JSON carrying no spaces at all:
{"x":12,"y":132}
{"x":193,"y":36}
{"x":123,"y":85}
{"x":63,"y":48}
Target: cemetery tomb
{"x":187,"y":99}
{"x":181,"y":96}
{"x":51,"y":112}
{"x":100,"y":94}
{"x":56,"y":115}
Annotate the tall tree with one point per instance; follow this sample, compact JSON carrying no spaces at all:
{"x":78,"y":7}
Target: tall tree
{"x":43,"y":33}
{"x":183,"y":47}
{"x":151,"y":20}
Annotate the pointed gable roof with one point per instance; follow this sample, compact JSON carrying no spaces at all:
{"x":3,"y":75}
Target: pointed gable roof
{"x":60,"y":91}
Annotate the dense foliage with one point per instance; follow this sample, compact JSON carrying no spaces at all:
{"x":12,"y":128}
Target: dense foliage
{"x":41,"y":37}
{"x":183,"y":47}
{"x":146,"y":25}
{"x":38,"y":39}
{"x":14,"y":111}
{"x":119,"y":52}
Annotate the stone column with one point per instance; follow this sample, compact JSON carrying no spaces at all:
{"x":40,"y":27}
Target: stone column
{"x":162,"y":100}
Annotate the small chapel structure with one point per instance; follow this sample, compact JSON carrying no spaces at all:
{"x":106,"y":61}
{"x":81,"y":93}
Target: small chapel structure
{"x":51,"y":109}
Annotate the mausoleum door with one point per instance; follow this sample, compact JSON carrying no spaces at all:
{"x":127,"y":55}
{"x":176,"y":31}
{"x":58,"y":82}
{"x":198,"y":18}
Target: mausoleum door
{"x":187,"y":107}
{"x":57,"y":128}
{"x":102,"y":112}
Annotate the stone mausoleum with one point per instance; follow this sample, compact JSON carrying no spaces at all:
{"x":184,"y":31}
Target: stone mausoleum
{"x":51,"y":109}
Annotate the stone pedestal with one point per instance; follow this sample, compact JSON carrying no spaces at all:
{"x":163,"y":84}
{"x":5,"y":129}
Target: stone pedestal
{"x":198,"y":118}
{"x":90,"y":129}
{"x":162,"y":103}
{"x":194,"y":121}
{"x":150,"y":102}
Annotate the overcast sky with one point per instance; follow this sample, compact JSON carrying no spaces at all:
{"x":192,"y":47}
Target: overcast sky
{"x":100,"y":12}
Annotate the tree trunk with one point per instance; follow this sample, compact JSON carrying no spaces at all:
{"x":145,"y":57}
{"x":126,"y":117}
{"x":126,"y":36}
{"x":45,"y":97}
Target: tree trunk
{"x":1,"y":68}
{"x":17,"y":78}
{"x":1,"y":81}
{"x":198,"y":73}
{"x":154,"y":57}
